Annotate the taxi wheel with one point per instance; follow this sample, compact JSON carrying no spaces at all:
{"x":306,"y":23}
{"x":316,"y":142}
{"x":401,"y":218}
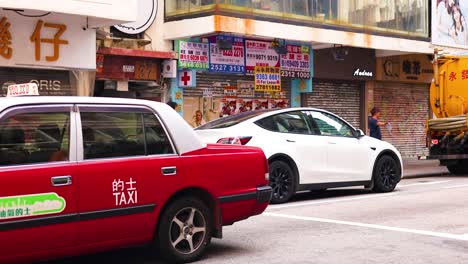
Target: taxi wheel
{"x":184,"y":231}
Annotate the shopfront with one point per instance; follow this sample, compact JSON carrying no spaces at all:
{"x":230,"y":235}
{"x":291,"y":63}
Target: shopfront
{"x":128,"y":76}
{"x":252,"y":74}
{"x":340,"y":77}
{"x":402,"y":94}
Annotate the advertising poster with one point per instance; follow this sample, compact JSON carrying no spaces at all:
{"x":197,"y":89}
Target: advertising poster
{"x":449,"y":23}
{"x":227,"y":106}
{"x":193,"y":55}
{"x":260,"y":53}
{"x":278,"y":103}
{"x":245,"y":88}
{"x":267,"y":79}
{"x":227,"y":61}
{"x":260,"y":104}
{"x":230,"y":91}
{"x":244,"y":105}
{"x":296,"y":63}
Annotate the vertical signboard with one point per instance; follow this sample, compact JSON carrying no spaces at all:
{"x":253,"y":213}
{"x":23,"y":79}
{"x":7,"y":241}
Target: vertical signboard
{"x":260,"y":53}
{"x":296,"y":62}
{"x":227,"y":60}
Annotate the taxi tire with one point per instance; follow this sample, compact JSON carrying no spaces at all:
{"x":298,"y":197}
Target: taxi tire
{"x":163,"y":240}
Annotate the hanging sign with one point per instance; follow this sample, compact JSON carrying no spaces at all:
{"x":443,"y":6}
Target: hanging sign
{"x":193,"y":55}
{"x":260,"y":53}
{"x":267,"y":79}
{"x":227,"y":61}
{"x":187,"y":78}
{"x":296,"y":63}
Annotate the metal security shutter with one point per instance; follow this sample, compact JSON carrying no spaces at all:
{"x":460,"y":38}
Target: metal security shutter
{"x":406,"y":107}
{"x":217,"y":81}
{"x":339,"y":97}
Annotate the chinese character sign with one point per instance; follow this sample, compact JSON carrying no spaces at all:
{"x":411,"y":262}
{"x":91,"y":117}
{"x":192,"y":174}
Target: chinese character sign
{"x":54,"y":40}
{"x":31,"y":205}
{"x":296,"y":62}
{"x":193,"y":55}
{"x":267,"y":79}
{"x":260,"y":53}
{"x":227,"y":61}
{"x":125,"y":192}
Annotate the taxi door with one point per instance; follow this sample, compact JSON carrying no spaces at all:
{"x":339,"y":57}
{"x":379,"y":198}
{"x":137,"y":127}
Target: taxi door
{"x":38,"y":194}
{"x":124,"y":152}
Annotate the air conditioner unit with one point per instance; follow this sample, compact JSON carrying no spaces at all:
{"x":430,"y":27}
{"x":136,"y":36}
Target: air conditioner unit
{"x":169,"y":69}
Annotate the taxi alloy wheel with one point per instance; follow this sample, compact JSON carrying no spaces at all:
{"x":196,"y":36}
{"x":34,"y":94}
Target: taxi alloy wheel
{"x":188,"y":230}
{"x":184,"y":230}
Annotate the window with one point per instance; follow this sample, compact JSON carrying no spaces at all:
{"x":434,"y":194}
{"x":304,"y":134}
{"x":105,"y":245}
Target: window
{"x":157,"y":142}
{"x":34,"y":138}
{"x":232,"y":120}
{"x":291,"y":122}
{"x":330,"y":125}
{"x":122,"y":134}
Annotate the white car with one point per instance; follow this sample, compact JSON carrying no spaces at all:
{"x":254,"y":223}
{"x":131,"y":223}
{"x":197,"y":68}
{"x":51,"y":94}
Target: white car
{"x":310,"y":149}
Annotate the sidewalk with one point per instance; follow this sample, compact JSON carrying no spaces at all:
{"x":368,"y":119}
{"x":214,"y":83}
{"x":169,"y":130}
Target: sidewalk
{"x":422,"y":168}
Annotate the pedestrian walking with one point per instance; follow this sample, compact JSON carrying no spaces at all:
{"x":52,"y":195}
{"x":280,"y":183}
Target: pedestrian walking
{"x":375,"y":124}
{"x":172,"y":104}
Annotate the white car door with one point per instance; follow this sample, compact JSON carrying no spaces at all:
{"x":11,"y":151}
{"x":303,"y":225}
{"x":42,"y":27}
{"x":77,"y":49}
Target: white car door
{"x":291,"y":133}
{"x":348,"y":158}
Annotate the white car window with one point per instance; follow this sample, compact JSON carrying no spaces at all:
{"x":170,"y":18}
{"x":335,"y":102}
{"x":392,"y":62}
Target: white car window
{"x":330,"y":125}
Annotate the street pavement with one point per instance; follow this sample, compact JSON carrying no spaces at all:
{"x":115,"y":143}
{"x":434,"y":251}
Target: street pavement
{"x":423,"y":221}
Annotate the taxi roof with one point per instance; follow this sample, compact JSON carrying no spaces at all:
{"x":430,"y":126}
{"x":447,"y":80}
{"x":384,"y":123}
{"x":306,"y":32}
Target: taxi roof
{"x":183,"y":135}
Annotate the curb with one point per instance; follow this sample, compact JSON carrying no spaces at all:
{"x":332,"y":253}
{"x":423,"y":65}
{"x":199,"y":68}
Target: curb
{"x":423,"y":175}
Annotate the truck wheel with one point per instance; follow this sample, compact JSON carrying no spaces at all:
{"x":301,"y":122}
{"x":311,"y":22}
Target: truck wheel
{"x":184,"y":231}
{"x":282,"y":181}
{"x":387,"y":174}
{"x":461,"y":168}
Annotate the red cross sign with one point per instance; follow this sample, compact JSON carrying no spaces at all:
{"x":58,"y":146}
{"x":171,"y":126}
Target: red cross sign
{"x":186,"y":78}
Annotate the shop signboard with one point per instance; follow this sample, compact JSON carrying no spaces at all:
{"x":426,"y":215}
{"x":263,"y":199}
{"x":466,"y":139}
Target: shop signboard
{"x":227,"y":60}
{"x":48,"y":82}
{"x":53,"y":40}
{"x":405,"y":68}
{"x":129,"y":68}
{"x":260,"y":53}
{"x":267,"y":79}
{"x":193,"y":55}
{"x":296,"y":62}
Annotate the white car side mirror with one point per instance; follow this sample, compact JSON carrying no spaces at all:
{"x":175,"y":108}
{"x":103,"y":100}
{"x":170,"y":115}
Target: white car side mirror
{"x":360,"y":133}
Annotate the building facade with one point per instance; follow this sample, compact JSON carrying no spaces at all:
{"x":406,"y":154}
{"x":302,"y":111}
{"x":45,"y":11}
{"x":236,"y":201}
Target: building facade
{"x":54,"y":45}
{"x":347,"y":46}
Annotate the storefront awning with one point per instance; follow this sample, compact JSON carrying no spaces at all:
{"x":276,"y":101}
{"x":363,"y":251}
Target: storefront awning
{"x":100,"y":13}
{"x":137,"y":53}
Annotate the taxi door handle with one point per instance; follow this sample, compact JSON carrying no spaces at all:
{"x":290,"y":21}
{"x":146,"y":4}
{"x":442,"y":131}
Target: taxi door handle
{"x":169,"y":171}
{"x":61,"y":180}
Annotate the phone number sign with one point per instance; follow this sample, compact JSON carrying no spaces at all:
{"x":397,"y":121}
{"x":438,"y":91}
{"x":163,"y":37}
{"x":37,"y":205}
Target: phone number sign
{"x":193,"y":55}
{"x":260,"y":53}
{"x":267,"y":79}
{"x":227,"y":61}
{"x":296,"y":62}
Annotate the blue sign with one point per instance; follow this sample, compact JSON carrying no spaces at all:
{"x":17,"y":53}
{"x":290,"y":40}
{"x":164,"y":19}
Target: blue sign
{"x":230,"y":60}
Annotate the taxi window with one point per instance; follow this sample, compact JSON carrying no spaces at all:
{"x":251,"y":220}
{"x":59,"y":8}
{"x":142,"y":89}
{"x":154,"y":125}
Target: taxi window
{"x":114,"y":134}
{"x":29,"y":138}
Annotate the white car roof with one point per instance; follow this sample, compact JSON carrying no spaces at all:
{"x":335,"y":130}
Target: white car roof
{"x":182,"y":134}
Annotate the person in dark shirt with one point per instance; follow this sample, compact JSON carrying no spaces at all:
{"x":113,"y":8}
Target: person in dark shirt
{"x":172,"y":104}
{"x":375,"y":124}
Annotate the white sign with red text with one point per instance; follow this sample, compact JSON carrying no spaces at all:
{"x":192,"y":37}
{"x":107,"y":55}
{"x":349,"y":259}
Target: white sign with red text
{"x":22,"y":89}
{"x":230,"y":60}
{"x":260,"y":53}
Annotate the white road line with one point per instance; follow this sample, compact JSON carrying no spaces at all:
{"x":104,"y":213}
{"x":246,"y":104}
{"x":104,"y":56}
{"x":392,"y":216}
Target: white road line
{"x":423,"y":183}
{"x":456,"y":186}
{"x":380,"y":227}
{"x":370,"y":196}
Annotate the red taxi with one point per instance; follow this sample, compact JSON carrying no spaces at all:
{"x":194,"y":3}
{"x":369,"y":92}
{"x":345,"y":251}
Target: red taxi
{"x":80,"y":175}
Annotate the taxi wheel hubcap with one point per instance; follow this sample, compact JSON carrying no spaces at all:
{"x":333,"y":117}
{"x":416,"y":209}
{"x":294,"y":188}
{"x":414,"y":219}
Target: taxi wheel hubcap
{"x":188,"y":230}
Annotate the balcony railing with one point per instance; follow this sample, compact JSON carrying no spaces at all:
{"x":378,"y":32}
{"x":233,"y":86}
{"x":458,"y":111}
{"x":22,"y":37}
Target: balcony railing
{"x":402,"y":17}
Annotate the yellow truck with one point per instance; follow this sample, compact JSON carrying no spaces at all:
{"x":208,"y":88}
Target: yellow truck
{"x":447,"y":130}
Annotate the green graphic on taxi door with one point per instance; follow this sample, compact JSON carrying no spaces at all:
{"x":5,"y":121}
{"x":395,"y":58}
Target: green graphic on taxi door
{"x":30,"y":205}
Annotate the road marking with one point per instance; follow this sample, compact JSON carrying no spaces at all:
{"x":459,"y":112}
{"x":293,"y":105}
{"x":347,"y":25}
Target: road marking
{"x":456,"y":186}
{"x":423,"y":183}
{"x":330,"y":201}
{"x":380,"y":227}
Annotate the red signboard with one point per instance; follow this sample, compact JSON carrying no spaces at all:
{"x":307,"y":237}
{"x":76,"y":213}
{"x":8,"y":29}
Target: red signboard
{"x":116,"y":68}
